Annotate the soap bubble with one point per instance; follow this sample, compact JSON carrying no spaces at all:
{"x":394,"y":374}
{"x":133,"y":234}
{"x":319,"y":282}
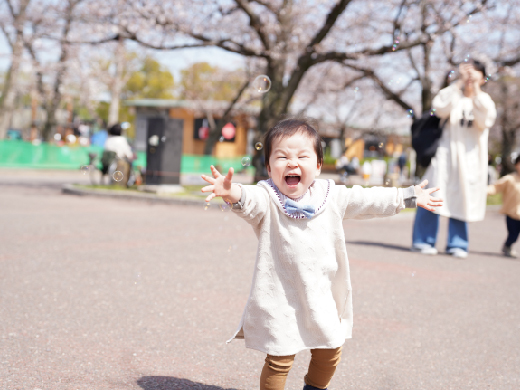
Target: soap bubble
{"x":225,"y":207}
{"x":259,"y":146}
{"x":396,"y":43}
{"x":432,"y":112}
{"x":381,"y":145}
{"x":84,"y":169}
{"x":206,"y":206}
{"x":262,"y":83}
{"x":246,"y":161}
{"x":118,"y":175}
{"x":410,"y":114}
{"x":221,"y":139}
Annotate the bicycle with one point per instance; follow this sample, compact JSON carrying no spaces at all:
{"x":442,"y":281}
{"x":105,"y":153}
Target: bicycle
{"x":97,"y":174}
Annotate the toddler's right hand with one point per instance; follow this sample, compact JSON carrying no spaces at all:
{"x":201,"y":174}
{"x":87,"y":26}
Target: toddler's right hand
{"x":220,"y":186}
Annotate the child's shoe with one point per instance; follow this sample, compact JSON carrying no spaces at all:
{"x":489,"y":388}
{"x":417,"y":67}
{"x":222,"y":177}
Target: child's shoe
{"x":309,"y":387}
{"x":508,"y":251}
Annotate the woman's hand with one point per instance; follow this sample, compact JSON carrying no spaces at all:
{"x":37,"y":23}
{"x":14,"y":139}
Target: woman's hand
{"x":424,"y":198}
{"x":464,"y":71}
{"x":222,"y":186}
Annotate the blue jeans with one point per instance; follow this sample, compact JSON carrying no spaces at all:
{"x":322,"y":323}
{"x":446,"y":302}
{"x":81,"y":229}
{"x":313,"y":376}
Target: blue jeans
{"x":426,"y":228}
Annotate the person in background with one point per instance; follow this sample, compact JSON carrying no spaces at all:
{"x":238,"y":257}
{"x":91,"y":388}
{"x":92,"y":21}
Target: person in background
{"x":459,"y":167}
{"x":401,"y":162}
{"x":509,"y":187}
{"x":116,"y":146}
{"x":492,"y":171}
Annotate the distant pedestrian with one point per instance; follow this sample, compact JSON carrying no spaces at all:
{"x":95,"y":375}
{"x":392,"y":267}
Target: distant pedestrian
{"x":509,"y":187}
{"x":116,"y":147}
{"x":301,"y":297}
{"x":459,"y":167}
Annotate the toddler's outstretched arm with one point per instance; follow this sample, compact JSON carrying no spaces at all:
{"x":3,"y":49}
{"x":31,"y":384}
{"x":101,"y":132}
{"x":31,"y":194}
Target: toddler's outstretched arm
{"x":424,"y":198}
{"x":222,"y":186}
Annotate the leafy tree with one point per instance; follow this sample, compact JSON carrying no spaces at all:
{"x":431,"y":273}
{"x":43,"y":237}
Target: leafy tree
{"x":152,"y":81}
{"x":202,"y":81}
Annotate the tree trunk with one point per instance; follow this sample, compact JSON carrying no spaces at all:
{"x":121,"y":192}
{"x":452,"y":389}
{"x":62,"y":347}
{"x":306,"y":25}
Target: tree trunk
{"x":426,"y":80}
{"x":115,"y":91}
{"x":7,"y":102}
{"x":55,"y":100}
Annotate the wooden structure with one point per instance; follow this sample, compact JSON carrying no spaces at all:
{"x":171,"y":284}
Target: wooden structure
{"x":193,"y":113}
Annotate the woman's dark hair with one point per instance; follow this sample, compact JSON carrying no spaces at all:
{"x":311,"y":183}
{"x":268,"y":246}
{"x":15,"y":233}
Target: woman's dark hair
{"x":287,"y":128}
{"x":115,"y":129}
{"x":479,"y":66}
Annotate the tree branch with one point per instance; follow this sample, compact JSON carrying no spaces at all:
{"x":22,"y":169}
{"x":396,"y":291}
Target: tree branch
{"x":7,"y":37}
{"x":235,"y":100}
{"x":386,"y":91}
{"x":254,"y":22}
{"x":329,"y":22}
{"x":266,"y":5}
{"x":225,"y":45}
{"x":414,"y":65}
{"x":396,"y":23}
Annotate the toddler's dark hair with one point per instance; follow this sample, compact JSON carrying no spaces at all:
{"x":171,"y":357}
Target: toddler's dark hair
{"x":517,"y":160}
{"x":287,"y":128}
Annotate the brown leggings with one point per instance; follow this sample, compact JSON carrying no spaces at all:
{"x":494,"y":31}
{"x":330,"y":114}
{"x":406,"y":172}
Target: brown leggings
{"x":321,"y":369}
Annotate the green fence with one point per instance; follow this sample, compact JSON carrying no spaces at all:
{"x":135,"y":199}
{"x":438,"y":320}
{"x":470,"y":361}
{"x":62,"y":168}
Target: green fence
{"x":20,"y":154}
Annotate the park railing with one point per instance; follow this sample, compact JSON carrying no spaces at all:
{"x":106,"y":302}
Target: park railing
{"x":22,"y":154}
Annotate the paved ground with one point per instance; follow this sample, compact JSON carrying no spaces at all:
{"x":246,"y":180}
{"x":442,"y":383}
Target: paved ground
{"x":100,"y":294}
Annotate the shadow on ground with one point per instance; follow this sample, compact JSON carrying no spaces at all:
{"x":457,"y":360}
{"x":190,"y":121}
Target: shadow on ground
{"x":494,"y":254}
{"x":172,"y":383}
{"x":407,"y":249}
{"x":380,"y":244}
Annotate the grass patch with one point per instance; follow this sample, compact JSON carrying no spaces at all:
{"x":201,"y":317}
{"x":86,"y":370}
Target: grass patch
{"x":109,"y":187}
{"x":493,"y":200}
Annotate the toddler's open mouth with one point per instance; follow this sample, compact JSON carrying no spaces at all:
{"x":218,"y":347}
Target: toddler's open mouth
{"x":292,"y":180}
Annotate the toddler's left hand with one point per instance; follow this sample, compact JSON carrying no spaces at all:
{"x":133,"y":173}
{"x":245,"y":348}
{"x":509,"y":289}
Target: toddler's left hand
{"x":424,"y":198}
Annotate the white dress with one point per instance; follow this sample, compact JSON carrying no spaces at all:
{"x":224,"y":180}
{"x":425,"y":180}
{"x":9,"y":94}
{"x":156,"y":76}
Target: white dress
{"x":301,"y":296}
{"x":460,"y":163}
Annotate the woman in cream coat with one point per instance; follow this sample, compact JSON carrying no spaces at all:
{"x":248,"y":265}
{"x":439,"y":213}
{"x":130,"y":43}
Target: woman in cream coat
{"x":459,"y":167}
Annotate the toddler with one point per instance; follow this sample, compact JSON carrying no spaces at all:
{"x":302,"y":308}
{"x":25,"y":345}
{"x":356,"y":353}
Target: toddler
{"x":509,"y":187}
{"x":301,"y":296}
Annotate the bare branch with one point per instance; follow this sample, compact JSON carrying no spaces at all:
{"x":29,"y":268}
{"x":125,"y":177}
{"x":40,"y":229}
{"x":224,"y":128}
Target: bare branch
{"x":414,"y":65}
{"x":266,"y":5}
{"x":226,"y":44}
{"x":329,"y":22}
{"x":235,"y":100}
{"x":396,"y":23}
{"x":6,"y":35}
{"x":386,"y":91}
{"x":254,"y":22}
